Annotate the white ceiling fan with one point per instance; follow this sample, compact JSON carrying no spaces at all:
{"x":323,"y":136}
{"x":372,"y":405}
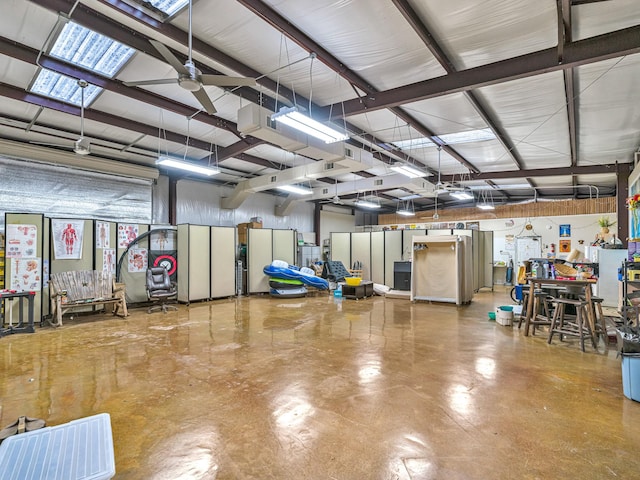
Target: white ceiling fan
{"x":82,"y":146}
{"x":189,"y":76}
{"x":336,"y":200}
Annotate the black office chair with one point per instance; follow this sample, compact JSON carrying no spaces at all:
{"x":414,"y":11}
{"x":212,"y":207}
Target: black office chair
{"x":160,"y":289}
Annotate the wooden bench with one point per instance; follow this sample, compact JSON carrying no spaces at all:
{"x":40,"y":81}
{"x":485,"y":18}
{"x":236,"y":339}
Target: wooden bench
{"x":84,"y":288}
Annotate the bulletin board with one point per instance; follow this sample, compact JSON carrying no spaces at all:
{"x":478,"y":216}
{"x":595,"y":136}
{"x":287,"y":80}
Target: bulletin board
{"x":526,"y":248}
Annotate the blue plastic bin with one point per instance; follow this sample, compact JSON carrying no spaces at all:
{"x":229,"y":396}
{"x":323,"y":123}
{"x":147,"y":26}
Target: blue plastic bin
{"x":631,"y":376}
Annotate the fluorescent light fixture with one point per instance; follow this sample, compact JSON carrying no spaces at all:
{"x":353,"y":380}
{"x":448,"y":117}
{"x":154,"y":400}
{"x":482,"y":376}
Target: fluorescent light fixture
{"x":53,"y":85}
{"x":405,"y":213}
{"x":411,"y":197}
{"x":462,"y":195}
{"x":486,"y":206}
{"x":295,"y":189}
{"x":408,"y":170}
{"x":91,"y":50}
{"x":293,"y":118}
{"x":366,"y":204}
{"x":190,"y":167}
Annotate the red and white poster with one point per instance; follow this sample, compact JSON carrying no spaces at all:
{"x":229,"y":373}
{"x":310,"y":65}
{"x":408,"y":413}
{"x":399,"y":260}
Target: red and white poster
{"x":67,"y":238}
{"x":109,"y":260}
{"x":25,"y":274}
{"x":127,"y":233}
{"x":21,"y":241}
{"x":138,"y":260}
{"x":102,"y":234}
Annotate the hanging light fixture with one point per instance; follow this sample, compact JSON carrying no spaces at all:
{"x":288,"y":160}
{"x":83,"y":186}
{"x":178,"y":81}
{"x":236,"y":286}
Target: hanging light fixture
{"x":166,"y":161}
{"x":406,"y":209}
{"x":297,"y":189}
{"x":372,"y":203}
{"x":292,"y":117}
{"x":486,"y":201}
{"x":407,"y":170}
{"x":462,"y":195}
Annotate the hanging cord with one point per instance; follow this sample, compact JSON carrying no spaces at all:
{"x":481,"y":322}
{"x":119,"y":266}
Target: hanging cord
{"x":186,"y":147}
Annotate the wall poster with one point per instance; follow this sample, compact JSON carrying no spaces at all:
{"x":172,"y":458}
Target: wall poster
{"x":138,"y":260}
{"x":102,"y":234}
{"x":109,"y":260}
{"x":565,"y":230}
{"x":21,"y":241}
{"x":25,"y":274}
{"x":127,"y":233}
{"x":67,"y":238}
{"x":565,"y":246}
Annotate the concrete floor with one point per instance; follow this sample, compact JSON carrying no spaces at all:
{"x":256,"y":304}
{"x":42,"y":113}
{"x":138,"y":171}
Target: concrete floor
{"x":320,"y":388}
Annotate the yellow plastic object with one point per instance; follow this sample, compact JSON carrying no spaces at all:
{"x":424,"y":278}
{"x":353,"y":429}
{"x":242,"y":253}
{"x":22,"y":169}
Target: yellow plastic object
{"x":352,"y":281}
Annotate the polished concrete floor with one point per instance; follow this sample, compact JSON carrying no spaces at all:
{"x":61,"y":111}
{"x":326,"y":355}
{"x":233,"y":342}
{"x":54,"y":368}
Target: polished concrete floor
{"x":321,"y":388}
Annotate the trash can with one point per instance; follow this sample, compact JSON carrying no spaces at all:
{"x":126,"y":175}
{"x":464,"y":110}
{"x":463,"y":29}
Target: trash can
{"x":629,"y":348}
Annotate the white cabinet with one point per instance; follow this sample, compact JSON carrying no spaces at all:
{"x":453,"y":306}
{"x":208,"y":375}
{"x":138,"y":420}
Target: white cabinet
{"x":442,"y":269}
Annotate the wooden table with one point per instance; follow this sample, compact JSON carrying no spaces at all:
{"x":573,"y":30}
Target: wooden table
{"x":539,"y":282}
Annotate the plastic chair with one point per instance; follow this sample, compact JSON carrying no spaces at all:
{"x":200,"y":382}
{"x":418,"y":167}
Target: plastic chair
{"x":160,"y":289}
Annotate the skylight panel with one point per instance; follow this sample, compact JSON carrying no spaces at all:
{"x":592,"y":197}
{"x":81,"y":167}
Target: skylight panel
{"x":414,"y":143}
{"x":468,"y":137}
{"x":448,"y":139}
{"x":88,"y":49}
{"x":161,"y":10}
{"x":61,"y":87}
{"x":169,"y":7}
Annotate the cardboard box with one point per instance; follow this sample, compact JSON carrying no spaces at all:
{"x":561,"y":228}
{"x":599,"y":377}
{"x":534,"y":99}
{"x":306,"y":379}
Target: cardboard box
{"x":242,"y":230}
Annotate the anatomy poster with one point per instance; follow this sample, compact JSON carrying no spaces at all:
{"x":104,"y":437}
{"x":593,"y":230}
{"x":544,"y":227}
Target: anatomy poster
{"x":67,"y":238}
{"x":162,"y":240}
{"x":137,"y":260}
{"x":126,"y":234}
{"x":109,"y":260}
{"x":25,"y":274}
{"x":21,"y":241}
{"x":102,"y":234}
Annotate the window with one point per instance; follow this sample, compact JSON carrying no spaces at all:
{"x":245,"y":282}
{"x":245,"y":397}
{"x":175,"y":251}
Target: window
{"x":61,"y":87}
{"x":90,"y":50}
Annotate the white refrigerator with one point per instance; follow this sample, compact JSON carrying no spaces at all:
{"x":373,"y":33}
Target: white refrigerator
{"x":609,"y":260}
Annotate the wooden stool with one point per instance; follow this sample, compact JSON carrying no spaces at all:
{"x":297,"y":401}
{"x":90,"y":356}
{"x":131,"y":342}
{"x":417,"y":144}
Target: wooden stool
{"x":600,"y":326}
{"x":541,"y":314}
{"x":562,"y":326}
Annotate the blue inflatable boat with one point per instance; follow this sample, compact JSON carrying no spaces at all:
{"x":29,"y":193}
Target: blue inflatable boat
{"x":281,"y":269}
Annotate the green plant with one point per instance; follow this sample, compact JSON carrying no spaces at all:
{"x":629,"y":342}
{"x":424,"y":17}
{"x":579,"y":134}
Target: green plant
{"x":605,"y":222}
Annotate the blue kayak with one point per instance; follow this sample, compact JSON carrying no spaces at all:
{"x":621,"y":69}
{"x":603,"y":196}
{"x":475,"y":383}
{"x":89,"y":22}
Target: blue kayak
{"x":291,"y":272}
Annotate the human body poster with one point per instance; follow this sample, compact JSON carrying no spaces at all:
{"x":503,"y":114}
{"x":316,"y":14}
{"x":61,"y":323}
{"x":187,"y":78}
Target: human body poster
{"x":138,"y":259}
{"x":25,"y":274}
{"x":109,"y":260}
{"x":21,"y":241}
{"x":68,"y":237}
{"x":102,"y":234}
{"x":127,"y":233}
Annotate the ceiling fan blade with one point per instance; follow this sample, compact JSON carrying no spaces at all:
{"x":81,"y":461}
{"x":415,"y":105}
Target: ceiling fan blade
{"x":205,"y":101}
{"x":170,"y":57}
{"x":224,"y":81}
{"x":160,"y":81}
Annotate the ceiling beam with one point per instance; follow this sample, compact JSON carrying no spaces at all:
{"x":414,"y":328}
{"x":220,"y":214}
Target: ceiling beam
{"x":544,"y":172}
{"x":412,"y":17}
{"x":580,"y":52}
{"x":102,"y":24}
{"x":280,"y":23}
